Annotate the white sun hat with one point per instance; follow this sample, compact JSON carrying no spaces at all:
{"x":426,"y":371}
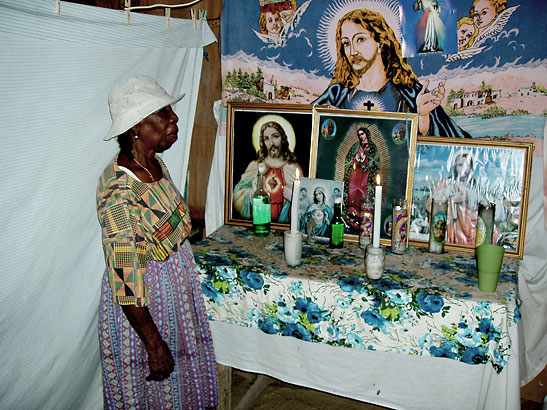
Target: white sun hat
{"x":133,"y":100}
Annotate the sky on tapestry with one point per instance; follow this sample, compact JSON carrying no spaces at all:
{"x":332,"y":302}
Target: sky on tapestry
{"x":510,"y":56}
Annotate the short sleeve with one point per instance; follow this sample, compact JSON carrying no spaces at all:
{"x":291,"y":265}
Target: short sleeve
{"x":124,"y":246}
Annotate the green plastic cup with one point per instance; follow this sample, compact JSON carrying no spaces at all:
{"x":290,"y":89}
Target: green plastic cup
{"x":489,"y":261}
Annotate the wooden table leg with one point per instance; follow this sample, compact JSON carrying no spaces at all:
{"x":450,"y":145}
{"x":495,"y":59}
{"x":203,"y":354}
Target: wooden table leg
{"x":224,"y":387}
{"x":248,"y":400}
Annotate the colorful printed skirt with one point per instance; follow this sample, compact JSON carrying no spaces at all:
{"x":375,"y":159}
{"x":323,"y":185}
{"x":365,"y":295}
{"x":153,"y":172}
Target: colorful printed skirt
{"x":177,"y":307}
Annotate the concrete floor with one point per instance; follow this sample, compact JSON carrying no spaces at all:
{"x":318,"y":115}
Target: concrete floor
{"x":283,"y":396}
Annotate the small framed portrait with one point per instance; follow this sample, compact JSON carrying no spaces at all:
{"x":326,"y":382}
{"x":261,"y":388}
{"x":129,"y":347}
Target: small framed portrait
{"x":276,"y":135}
{"x":328,"y":129}
{"x":316,"y":206}
{"x":368,"y":148}
{"x":466,"y":173}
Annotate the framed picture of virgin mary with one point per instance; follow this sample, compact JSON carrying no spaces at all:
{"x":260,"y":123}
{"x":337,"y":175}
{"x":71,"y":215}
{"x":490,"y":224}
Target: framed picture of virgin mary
{"x":365,"y":146}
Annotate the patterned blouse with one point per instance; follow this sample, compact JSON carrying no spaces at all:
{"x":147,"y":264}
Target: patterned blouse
{"x":140,"y":222}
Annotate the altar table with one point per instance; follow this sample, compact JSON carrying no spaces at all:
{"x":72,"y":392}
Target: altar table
{"x":423,"y":336}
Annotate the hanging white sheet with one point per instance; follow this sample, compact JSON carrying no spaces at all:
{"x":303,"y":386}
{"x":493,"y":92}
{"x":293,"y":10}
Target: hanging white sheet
{"x":56,"y":72}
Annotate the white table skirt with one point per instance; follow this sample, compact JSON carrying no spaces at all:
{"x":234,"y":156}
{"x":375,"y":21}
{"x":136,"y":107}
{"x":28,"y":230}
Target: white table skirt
{"x":387,"y":379}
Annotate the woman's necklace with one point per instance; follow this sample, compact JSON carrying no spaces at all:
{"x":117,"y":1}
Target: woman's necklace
{"x":143,"y":167}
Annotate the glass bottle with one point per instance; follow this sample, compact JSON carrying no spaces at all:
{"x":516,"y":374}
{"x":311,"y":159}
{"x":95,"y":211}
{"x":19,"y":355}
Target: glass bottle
{"x":366,"y":217}
{"x":261,"y":206}
{"x":337,"y":226}
{"x":399,"y":226}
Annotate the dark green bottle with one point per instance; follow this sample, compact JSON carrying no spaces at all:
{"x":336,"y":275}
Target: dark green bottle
{"x":337,"y":226}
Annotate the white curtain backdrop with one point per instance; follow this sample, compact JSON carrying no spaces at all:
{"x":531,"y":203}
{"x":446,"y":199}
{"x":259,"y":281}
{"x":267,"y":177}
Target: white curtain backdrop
{"x":56,"y":72}
{"x":533,"y":283}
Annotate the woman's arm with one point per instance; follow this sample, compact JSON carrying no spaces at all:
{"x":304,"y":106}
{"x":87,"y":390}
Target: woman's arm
{"x":160,"y":360}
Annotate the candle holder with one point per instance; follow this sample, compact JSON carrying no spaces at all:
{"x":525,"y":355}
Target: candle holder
{"x":292,"y":245}
{"x":375,"y":261}
{"x":366,"y":216}
{"x":485,"y":223}
{"x":399,"y":226}
{"x":437,"y":225}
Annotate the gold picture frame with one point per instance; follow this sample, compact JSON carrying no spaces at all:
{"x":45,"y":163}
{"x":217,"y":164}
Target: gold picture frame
{"x":242,"y":148}
{"x":391,"y":146}
{"x":493,"y":170}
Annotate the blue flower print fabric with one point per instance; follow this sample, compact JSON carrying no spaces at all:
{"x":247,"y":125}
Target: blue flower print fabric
{"x":424,"y":304}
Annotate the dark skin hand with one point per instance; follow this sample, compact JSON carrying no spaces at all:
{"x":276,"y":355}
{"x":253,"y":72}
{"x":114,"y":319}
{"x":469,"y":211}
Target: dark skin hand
{"x":160,"y":360}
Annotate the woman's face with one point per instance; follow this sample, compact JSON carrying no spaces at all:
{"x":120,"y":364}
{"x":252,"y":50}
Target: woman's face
{"x":484,"y":13}
{"x":158,"y":131}
{"x":273,"y":23}
{"x":363,"y":139}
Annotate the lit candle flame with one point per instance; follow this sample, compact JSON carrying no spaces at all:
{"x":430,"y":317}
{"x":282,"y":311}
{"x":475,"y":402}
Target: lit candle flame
{"x":378,"y":179}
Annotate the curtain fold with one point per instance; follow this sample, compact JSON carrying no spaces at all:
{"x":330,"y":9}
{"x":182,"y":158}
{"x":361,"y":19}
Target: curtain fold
{"x":533,"y":284}
{"x":214,"y":205}
{"x":56,"y":73}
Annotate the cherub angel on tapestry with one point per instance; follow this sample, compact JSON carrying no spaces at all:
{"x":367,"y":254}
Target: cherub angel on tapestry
{"x":487,"y":18}
{"x":278,"y":18}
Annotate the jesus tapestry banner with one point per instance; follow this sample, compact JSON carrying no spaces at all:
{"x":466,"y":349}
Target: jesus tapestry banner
{"x":475,"y":68}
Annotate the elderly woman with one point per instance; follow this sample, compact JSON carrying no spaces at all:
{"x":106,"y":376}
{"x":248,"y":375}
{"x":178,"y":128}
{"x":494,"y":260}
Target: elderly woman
{"x":155,"y":341}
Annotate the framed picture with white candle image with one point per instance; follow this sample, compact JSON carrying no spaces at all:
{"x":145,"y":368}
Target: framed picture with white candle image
{"x":364,"y":146}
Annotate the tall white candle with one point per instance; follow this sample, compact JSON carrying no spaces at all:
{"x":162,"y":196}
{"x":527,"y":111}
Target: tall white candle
{"x":377,"y":213}
{"x":294,"y":203}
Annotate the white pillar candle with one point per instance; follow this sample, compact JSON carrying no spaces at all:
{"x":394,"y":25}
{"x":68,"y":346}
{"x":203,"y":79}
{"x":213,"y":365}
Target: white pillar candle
{"x":377,"y":213}
{"x":294,"y":203}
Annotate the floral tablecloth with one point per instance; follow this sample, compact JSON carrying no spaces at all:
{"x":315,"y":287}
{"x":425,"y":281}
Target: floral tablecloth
{"x":424,"y":304}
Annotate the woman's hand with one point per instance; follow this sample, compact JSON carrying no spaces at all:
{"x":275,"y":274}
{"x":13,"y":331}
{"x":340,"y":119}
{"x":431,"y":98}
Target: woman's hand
{"x":160,"y":359}
{"x":160,"y":362}
{"x":427,"y":102}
